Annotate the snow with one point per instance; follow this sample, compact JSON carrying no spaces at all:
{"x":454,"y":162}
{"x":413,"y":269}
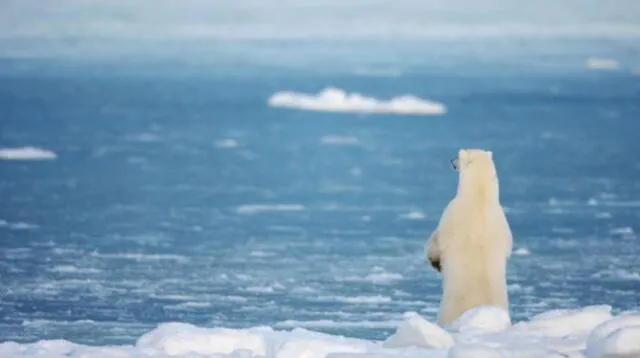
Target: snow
{"x":26,"y":153}
{"x":333,"y":99}
{"x":484,"y":332}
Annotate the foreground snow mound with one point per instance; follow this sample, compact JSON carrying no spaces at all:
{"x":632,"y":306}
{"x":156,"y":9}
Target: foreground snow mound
{"x":483,"y":332}
{"x":482,"y":319}
{"x":26,"y":153}
{"x":616,"y":338}
{"x":336,"y":100}
{"x":176,"y":339}
{"x":416,"y":331}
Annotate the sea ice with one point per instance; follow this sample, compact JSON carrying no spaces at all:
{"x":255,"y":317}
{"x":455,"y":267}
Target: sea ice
{"x":485,"y":332}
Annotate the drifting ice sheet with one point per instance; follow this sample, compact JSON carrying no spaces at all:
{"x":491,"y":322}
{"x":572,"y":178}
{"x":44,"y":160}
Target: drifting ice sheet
{"x":485,"y":332}
{"x":26,"y":153}
{"x":333,"y":99}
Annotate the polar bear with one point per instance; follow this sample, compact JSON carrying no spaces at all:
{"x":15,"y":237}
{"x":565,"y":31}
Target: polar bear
{"x":472,"y":241}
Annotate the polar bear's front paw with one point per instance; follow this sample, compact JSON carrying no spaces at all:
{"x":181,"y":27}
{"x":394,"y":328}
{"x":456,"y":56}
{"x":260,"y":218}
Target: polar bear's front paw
{"x":435,"y":263}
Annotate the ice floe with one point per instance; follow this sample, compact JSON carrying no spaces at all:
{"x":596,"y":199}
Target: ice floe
{"x":333,"y":99}
{"x":26,"y":153}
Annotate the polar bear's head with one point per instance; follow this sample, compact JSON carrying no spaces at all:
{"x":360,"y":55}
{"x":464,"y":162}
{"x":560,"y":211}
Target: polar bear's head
{"x":476,"y":170}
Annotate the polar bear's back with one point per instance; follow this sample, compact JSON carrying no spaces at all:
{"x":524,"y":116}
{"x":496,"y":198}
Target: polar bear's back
{"x":473,"y":240}
{"x":475,"y":244}
{"x":469,"y":228}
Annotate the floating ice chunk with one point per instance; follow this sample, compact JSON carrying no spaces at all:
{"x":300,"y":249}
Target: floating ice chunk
{"x":364,"y":300}
{"x":226,"y":143}
{"x":482,"y":319}
{"x":414,"y":215}
{"x":416,"y":331}
{"x":17,"y":225}
{"x":626,"y":230}
{"x":383,"y":277}
{"x":595,"y":63}
{"x":333,"y":99}
{"x":522,"y":251}
{"x":181,"y":339}
{"x":259,"y":208}
{"x":26,"y":153}
{"x":339,"y":140}
{"x":560,"y":323}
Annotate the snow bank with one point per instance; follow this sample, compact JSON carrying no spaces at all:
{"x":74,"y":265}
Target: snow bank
{"x":26,"y":153}
{"x":336,"y":100}
{"x":484,"y":332}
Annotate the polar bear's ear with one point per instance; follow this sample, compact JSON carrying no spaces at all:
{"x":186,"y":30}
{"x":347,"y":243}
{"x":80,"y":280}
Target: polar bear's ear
{"x":490,"y":154}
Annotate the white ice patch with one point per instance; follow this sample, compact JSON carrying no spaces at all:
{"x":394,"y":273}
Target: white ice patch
{"x":595,"y":63}
{"x":260,"y":208}
{"x":339,"y":140}
{"x":624,"y":231}
{"x":522,"y":251}
{"x":364,"y":300}
{"x":140,"y":257}
{"x":589,"y":332}
{"x":333,"y":99}
{"x":26,"y":153}
{"x":74,"y":269}
{"x":378,"y":276}
{"x":226,"y":143}
{"x":17,"y":225}
{"x":619,"y":274}
{"x":413,"y":215}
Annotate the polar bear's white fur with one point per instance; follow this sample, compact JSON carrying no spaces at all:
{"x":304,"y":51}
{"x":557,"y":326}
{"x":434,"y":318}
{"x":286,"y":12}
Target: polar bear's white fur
{"x":472,"y":242}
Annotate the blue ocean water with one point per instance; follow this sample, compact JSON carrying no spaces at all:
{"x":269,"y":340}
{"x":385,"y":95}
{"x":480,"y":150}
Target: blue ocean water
{"x":178,"y":194}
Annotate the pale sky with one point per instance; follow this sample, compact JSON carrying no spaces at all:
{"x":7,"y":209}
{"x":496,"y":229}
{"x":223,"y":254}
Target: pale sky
{"x":315,"y":19}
